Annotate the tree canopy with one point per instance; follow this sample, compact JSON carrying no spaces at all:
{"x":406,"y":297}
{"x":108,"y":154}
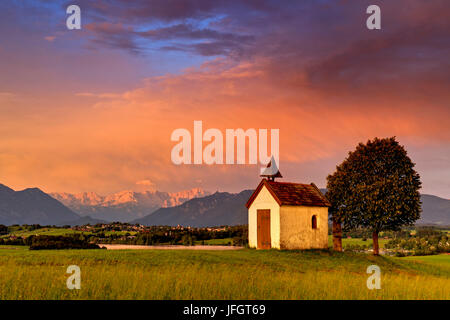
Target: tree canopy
{"x":376,"y":187}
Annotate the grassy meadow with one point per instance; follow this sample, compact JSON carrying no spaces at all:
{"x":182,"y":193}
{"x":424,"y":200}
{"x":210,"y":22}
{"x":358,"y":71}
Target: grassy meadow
{"x":49,"y":231}
{"x":357,"y":241}
{"x":216,"y":242}
{"x":240,"y":274}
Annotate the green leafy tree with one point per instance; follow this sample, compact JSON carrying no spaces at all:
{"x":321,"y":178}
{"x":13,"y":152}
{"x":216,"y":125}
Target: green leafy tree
{"x":376,"y":187}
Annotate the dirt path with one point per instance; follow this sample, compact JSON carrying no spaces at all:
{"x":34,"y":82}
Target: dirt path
{"x":168,"y":247}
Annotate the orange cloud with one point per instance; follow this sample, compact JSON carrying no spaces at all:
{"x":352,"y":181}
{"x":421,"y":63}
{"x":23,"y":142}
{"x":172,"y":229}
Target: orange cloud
{"x":81,"y":122}
{"x":50,"y":38}
{"x":109,"y":144}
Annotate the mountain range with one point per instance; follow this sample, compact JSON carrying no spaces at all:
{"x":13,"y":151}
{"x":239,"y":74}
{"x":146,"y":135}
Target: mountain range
{"x":194,"y":208}
{"x":124,"y":206}
{"x":220,"y":208}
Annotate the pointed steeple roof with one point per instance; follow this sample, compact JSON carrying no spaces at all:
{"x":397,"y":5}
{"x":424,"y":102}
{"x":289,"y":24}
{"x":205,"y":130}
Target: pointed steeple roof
{"x":271,"y":171}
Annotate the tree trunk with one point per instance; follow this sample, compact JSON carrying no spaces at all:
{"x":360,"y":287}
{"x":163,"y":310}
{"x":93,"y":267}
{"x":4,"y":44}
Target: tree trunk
{"x":337,"y":236}
{"x":376,"y":250}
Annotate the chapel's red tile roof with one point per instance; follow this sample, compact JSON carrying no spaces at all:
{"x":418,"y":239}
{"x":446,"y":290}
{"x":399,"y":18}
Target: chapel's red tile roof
{"x":292,"y":194}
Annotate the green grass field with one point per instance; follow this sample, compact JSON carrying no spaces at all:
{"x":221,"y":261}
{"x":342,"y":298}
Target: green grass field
{"x":59,"y":232}
{"x":43,"y":232}
{"x":439,"y":264}
{"x":358,"y":241}
{"x":241,"y":274}
{"x":216,"y":242}
{"x":442,"y":260}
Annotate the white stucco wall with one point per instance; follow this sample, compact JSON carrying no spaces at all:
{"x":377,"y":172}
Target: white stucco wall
{"x":296,"y":227}
{"x":264,"y":200}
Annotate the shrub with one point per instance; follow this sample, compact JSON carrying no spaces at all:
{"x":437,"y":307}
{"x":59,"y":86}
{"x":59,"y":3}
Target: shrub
{"x":431,"y":243}
{"x":60,"y":242}
{"x":3,"y":229}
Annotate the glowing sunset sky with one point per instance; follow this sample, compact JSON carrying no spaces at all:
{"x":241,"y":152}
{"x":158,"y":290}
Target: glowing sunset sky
{"x":93,"y":109}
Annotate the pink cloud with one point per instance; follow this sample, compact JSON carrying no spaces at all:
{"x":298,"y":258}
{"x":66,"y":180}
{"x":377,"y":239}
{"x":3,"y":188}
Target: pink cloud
{"x":50,"y":38}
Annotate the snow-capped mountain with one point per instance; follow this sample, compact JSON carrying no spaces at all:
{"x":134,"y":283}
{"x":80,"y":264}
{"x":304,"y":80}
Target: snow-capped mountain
{"x":125,"y":205}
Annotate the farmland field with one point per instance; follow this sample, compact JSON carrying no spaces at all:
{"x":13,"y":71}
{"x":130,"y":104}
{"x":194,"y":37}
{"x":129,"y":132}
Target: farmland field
{"x":41,"y":232}
{"x":240,"y":274}
{"x":439,"y":260}
{"x":213,"y":242}
{"x":356,"y":241}
{"x":48,"y":231}
{"x":437,"y":263}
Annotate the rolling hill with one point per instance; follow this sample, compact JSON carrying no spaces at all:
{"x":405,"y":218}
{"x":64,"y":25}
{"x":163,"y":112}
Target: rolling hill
{"x":435,"y":210}
{"x":81,"y":221}
{"x":220,"y":208}
{"x":223,"y":208}
{"x":32,"y":206}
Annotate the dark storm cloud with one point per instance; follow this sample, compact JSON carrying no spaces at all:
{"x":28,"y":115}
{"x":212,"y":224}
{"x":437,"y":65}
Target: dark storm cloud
{"x":141,"y":11}
{"x":322,"y":43}
{"x":184,"y":31}
{"x":193,"y":26}
{"x":126,"y":37}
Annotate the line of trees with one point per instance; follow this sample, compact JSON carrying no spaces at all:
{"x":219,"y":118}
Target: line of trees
{"x":74,"y":241}
{"x":169,"y":235}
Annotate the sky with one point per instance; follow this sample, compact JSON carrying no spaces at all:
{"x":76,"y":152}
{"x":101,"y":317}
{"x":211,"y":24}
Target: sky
{"x":94,"y":109}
